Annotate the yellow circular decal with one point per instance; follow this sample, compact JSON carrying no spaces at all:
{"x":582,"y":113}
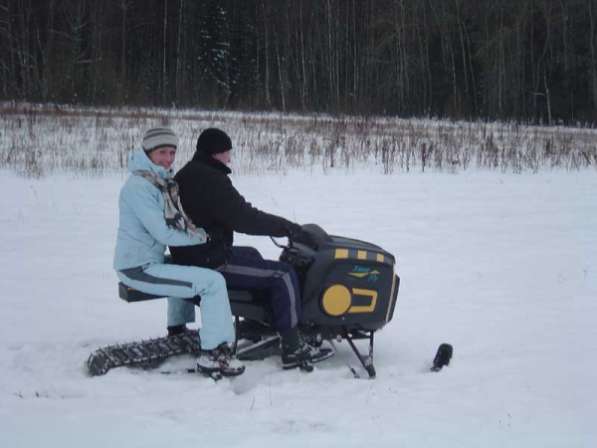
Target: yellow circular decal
{"x":336,"y":300}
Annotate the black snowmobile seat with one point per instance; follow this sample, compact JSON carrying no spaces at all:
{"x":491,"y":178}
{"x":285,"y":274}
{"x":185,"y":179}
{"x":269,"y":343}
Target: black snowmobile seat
{"x":243,"y":303}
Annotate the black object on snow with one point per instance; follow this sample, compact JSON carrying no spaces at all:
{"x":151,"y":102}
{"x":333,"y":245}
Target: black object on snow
{"x":442,"y":357}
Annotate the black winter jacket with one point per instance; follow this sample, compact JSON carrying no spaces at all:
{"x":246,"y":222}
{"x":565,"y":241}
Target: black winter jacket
{"x":211,"y":201}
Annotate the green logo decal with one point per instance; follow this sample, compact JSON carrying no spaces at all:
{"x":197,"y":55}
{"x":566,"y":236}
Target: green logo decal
{"x":363,"y":272}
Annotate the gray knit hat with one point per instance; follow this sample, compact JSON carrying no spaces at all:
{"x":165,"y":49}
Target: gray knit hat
{"x":157,"y":137}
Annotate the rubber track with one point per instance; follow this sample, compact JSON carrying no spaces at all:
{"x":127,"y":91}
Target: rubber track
{"x":148,"y":353}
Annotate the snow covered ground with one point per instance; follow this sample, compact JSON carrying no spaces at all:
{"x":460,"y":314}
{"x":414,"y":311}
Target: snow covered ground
{"x":502,"y":266}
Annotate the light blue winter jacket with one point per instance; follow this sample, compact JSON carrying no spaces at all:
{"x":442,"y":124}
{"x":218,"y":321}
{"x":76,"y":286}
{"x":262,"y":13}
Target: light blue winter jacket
{"x":142,"y":231}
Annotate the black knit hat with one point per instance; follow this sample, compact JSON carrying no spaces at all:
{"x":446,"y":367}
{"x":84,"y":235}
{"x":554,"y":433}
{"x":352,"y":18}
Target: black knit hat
{"x":213,"y":141}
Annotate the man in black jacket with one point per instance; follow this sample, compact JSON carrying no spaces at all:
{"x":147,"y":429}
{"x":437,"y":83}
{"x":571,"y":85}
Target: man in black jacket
{"x":211,"y":201}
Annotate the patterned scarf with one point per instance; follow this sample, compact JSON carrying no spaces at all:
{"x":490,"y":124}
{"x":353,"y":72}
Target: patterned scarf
{"x":173,"y":212}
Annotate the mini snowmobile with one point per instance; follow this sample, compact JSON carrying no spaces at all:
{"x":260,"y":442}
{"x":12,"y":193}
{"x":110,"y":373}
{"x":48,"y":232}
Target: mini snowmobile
{"x":349,"y":291}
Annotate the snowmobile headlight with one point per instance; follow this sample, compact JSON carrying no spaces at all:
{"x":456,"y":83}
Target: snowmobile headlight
{"x":336,"y":300}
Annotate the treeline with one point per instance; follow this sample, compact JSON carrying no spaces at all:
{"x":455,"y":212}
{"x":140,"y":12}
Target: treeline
{"x":530,"y":60}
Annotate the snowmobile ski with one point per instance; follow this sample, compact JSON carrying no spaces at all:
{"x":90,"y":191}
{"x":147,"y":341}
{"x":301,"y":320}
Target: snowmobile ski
{"x":216,"y":376}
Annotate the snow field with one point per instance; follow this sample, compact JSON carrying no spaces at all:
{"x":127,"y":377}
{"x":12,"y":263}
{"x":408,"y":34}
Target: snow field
{"x":502,"y":266}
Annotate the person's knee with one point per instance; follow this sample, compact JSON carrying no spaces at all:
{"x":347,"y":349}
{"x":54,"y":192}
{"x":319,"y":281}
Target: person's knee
{"x":285,"y":268}
{"x":213,"y":282}
{"x":218,"y":280}
{"x":254,"y":253}
{"x":246,"y":252}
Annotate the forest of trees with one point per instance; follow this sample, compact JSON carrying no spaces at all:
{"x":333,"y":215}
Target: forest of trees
{"x":529,"y":60}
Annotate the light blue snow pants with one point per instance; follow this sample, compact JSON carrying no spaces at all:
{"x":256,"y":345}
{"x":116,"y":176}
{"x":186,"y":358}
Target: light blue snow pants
{"x":183,"y":282}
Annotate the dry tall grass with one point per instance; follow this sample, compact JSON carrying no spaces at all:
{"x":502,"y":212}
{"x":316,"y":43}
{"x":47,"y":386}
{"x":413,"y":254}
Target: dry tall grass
{"x":39,"y":139}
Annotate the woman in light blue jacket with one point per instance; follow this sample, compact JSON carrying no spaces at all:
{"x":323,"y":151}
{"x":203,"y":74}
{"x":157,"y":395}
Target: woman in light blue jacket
{"x":151,"y":218}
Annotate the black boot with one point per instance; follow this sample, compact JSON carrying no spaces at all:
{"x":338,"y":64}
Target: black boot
{"x":293,"y":355}
{"x":297,"y":353}
{"x":177,"y":329}
{"x":219,"y":360}
{"x":290,"y":339}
